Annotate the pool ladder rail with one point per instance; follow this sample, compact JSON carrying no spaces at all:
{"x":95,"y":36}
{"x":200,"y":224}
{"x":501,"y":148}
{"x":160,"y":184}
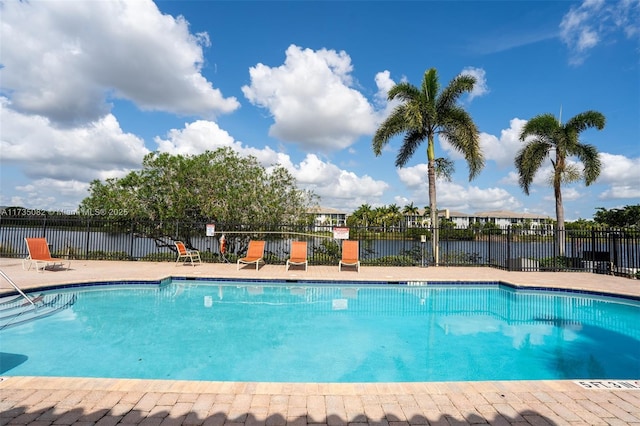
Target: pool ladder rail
{"x":14,"y":285}
{"x":19,"y":309}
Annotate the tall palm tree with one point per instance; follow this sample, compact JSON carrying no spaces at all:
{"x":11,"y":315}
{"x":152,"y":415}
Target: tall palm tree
{"x":361,"y":216}
{"x":424,"y":112}
{"x":412,"y":211}
{"x":393,"y":215}
{"x":547,"y":135}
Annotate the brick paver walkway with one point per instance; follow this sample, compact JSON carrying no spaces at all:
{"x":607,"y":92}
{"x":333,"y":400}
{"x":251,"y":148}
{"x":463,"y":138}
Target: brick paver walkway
{"x":94,"y":401}
{"x":64,"y":401}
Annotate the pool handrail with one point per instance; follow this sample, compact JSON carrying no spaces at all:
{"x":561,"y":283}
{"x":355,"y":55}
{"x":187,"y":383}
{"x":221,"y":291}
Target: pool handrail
{"x":14,"y":285}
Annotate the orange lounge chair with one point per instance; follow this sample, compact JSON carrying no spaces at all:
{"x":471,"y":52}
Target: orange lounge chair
{"x":298,"y":254}
{"x":349,"y":255}
{"x":40,"y":255}
{"x":255,"y":254}
{"x":184,"y":253}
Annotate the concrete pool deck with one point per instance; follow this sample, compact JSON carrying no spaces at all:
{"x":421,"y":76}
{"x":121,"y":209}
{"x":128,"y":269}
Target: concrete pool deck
{"x":89,"y":401}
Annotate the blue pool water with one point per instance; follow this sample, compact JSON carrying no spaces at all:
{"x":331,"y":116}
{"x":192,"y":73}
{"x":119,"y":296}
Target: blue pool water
{"x":291,"y":332}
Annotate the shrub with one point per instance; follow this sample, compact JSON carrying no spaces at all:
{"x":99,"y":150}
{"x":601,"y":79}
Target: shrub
{"x":391,"y":261}
{"x":107,"y":255}
{"x":7,"y":250}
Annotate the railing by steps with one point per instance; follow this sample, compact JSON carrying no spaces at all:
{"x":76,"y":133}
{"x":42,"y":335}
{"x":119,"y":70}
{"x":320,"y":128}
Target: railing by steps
{"x":14,"y":311}
{"x":15,"y":286}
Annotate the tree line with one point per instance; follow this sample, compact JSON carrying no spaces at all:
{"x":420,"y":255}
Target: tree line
{"x":394,"y":216}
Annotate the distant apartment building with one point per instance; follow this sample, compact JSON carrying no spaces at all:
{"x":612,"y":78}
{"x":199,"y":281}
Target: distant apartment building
{"x":504,"y":218}
{"x":501,"y":218}
{"x":327,"y":217}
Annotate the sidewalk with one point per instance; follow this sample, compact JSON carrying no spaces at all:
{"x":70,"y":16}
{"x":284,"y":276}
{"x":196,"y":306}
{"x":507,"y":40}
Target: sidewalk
{"x":94,"y":401}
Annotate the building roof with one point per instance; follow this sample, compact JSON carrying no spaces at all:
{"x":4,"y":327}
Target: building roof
{"x":442,"y":212}
{"x":505,"y":214}
{"x":325,"y":210}
{"x":455,"y":214}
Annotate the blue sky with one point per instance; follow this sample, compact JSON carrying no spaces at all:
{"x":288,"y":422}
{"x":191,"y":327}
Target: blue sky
{"x":87,"y":88}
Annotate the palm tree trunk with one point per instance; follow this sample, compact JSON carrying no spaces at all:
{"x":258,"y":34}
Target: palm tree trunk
{"x":560,"y":232}
{"x":431,"y":172}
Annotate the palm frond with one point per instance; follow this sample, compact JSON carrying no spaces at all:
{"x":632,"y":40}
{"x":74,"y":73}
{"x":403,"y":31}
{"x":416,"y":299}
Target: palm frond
{"x":570,"y":174}
{"x":529,"y":159}
{"x":430,"y":85}
{"x":586,"y":120}
{"x":445,"y":168}
{"x":395,"y":124}
{"x":543,"y":126}
{"x":404,"y":92}
{"x":456,"y":88}
{"x":461,"y":132}
{"x":412,"y":140}
{"x":588,"y":154}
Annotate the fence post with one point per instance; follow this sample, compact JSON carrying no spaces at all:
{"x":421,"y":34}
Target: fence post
{"x":86,"y":249}
{"x":614,"y":243}
{"x":489,"y":246}
{"x":44,"y":226}
{"x":509,"y":247}
{"x":554,"y":264}
{"x":132,"y":227}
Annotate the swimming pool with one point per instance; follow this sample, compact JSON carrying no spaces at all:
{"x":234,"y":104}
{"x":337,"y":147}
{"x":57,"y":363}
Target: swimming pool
{"x":325,"y":332}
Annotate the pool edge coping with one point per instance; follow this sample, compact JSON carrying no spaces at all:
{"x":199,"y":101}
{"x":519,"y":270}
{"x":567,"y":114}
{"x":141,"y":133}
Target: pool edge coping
{"x":312,"y":281}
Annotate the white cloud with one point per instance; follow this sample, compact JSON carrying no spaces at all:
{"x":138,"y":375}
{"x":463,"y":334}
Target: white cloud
{"x":568,"y":194}
{"x":62,"y":59}
{"x":618,"y":169}
{"x":311,"y":99}
{"x":454,"y":196}
{"x":622,"y":174}
{"x":337,"y":187}
{"x":313,"y":171}
{"x":593,"y":21}
{"x":480,"y":88}
{"x":473,"y":198}
{"x":196,"y":138}
{"x":61,"y":162}
{"x":84,"y":153}
{"x":511,"y":178}
{"x":503,"y":151}
{"x":621,"y":192}
{"x":51,"y":194}
{"x":202,"y":135}
{"x":384,"y":83}
{"x":415,"y":176}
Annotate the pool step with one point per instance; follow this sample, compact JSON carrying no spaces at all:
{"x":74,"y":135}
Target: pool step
{"x":15,"y":310}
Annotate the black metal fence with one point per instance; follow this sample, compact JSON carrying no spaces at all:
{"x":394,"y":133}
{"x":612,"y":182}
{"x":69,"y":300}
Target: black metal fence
{"x":606,"y":251}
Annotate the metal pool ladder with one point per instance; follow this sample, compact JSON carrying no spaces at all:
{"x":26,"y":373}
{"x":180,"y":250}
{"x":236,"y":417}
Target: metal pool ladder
{"x":14,"y":285}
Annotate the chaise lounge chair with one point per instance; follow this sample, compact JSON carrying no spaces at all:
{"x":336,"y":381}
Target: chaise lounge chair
{"x":255,"y":254}
{"x":184,"y":253}
{"x":298,"y":254}
{"x":40,"y":255}
{"x":349,"y":255}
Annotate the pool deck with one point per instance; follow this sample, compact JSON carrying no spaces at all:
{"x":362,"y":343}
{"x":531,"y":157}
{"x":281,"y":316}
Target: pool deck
{"x":90,"y":401}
